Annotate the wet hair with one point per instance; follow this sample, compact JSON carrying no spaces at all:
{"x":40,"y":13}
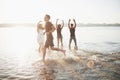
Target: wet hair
{"x":72,"y":25}
{"x":48,"y":16}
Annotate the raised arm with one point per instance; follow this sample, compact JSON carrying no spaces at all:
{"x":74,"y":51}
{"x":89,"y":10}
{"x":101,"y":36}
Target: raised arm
{"x":57,"y":23}
{"x":62,"y":24}
{"x":74,"y":23}
{"x":69,"y":23}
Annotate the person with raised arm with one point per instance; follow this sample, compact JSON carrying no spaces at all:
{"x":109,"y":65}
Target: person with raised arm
{"x":40,"y":36}
{"x":59,"y":28}
{"x":72,"y":28}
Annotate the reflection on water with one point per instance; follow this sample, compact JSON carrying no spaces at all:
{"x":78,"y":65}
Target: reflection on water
{"x":18,"y":47}
{"x":23,"y":39}
{"x":17,"y":52}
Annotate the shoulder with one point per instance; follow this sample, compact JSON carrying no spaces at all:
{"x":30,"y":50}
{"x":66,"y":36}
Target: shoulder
{"x":49,"y":23}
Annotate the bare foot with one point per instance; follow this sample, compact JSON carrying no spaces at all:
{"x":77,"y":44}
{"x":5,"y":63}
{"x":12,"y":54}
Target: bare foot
{"x":76,"y":48}
{"x":64,"y":52}
{"x":43,"y":61}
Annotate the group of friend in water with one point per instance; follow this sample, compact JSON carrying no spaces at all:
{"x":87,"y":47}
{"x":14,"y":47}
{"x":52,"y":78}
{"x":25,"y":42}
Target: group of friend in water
{"x":48,"y":29}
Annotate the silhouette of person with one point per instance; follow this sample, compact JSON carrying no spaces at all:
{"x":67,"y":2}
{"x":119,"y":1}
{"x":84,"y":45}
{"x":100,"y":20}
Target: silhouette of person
{"x":40,"y":37}
{"x":59,"y":28}
{"x":72,"y":33}
{"x":49,"y":28}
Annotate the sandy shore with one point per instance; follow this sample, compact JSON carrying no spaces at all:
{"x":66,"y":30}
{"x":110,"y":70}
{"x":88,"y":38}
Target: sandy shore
{"x":79,"y":65}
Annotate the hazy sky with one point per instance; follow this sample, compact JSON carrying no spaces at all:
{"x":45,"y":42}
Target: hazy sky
{"x":85,"y":11}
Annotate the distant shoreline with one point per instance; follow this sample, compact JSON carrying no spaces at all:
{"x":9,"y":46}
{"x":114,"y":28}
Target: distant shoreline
{"x":79,"y":25}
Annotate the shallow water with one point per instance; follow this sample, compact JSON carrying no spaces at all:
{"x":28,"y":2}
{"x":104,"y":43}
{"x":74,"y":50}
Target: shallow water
{"x":18,"y":48}
{"x":96,"y":39}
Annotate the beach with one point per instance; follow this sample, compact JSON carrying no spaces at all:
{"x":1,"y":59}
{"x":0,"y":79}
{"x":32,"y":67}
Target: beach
{"x":77,"y":65}
{"x":83,"y":66}
{"x":28,"y":25}
{"x":97,"y":57}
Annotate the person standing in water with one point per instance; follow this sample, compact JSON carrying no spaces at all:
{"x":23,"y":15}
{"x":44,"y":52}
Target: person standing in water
{"x":72,"y":33}
{"x":49,"y":28}
{"x":59,"y":28}
{"x":40,"y":37}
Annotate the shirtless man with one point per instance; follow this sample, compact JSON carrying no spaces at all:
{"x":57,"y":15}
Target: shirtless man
{"x":72,"y":33}
{"x":49,"y":28}
{"x":59,"y":28}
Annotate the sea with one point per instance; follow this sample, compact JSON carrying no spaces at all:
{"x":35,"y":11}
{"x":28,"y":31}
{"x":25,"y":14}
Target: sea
{"x":19,"y":47}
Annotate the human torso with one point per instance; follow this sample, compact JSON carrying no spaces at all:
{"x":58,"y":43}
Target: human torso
{"x":72,"y":31}
{"x":48,"y":27}
{"x":59,"y":29}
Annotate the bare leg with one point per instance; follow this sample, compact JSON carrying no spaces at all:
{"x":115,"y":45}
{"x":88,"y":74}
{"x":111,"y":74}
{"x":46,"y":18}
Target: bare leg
{"x":57,"y":49}
{"x":70,"y":43}
{"x":58,"y":42}
{"x":61,"y":42}
{"x":44,"y":53}
{"x":39,"y":48}
{"x":42,"y":47}
{"x":75,"y":43}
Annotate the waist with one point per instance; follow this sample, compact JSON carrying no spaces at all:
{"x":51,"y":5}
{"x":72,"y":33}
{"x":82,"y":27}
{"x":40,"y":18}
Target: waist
{"x":59,"y":34}
{"x":72,"y":34}
{"x":49,"y":35}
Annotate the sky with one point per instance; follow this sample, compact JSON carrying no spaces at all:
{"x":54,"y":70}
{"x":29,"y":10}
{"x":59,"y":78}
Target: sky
{"x":84,"y":11}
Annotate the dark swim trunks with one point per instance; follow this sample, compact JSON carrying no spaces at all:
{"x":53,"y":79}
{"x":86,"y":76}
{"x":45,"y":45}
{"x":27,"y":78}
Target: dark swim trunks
{"x":59,"y":36}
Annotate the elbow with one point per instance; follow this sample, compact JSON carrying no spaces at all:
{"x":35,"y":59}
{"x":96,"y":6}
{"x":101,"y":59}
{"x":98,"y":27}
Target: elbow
{"x":53,"y":28}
